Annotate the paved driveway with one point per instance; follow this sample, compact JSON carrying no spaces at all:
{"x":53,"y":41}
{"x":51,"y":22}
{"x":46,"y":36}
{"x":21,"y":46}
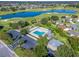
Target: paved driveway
{"x":5,"y":51}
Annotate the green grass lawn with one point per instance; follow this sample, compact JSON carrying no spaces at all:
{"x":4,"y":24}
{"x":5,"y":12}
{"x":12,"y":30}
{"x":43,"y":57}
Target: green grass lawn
{"x":4,"y":37}
{"x":24,"y":52}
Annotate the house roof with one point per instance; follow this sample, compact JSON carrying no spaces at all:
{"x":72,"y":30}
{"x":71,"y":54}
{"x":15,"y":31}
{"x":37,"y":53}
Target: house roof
{"x":14,"y":33}
{"x":55,"y":43}
{"x":29,"y":45}
{"x":30,"y":42}
{"x":29,"y":39}
{"x":62,"y":26}
{"x":68,"y":20}
{"x":50,"y":34}
{"x":73,"y":33}
{"x":74,"y":26}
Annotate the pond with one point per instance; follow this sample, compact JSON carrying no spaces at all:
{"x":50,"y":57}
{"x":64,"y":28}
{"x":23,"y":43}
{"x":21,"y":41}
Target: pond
{"x":32,"y":14}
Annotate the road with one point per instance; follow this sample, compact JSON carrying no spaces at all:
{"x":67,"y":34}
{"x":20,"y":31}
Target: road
{"x":5,"y":51}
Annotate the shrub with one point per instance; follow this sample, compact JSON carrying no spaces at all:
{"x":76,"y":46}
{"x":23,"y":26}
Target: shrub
{"x":33,"y":21}
{"x":24,"y":31}
{"x":44,"y":21}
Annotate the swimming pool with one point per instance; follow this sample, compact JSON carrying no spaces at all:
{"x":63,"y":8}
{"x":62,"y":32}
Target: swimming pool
{"x":38,"y":33}
{"x":32,"y":14}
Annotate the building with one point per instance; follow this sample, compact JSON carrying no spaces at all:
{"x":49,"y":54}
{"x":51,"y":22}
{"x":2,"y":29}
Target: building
{"x":29,"y":42}
{"x":61,"y":26}
{"x":34,"y":35}
{"x":54,"y":44}
{"x":74,"y":27}
{"x":14,"y":34}
{"x":30,"y":39}
{"x":73,"y":33}
{"x":38,"y":32}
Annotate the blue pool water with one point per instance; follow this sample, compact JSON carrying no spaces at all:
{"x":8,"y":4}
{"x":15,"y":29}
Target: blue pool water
{"x":32,"y":14}
{"x":38,"y":33}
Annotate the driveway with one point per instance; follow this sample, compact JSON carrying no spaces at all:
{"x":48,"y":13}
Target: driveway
{"x":5,"y":51}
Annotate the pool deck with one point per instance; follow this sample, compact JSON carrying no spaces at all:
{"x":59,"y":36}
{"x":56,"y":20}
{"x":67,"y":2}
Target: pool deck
{"x":38,"y":29}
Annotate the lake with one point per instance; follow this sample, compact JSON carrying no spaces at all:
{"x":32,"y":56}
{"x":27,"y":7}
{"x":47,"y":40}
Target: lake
{"x":32,"y":14}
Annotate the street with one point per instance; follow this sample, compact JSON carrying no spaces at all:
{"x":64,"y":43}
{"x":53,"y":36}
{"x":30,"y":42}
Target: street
{"x":5,"y":51}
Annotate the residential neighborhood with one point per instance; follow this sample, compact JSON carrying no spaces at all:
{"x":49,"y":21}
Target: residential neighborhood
{"x":39,"y":29}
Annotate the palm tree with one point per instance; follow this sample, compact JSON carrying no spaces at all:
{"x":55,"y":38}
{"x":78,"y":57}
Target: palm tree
{"x":40,"y":50}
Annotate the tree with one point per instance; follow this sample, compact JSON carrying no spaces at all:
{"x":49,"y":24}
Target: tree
{"x":64,"y":51}
{"x":23,"y":23}
{"x":4,"y":9}
{"x":63,"y":17}
{"x":74,"y":41}
{"x":22,"y":8}
{"x":4,"y":37}
{"x":1,"y":27}
{"x":26,"y":23}
{"x":33,"y":21}
{"x":74,"y":16}
{"x":40,"y":50}
{"x":44,"y":21}
{"x":43,"y":41}
{"x":54,"y":18}
{"x":13,"y":8}
{"x":24,"y":31}
{"x":13,"y":25}
{"x":19,"y":24}
{"x":77,"y":6}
